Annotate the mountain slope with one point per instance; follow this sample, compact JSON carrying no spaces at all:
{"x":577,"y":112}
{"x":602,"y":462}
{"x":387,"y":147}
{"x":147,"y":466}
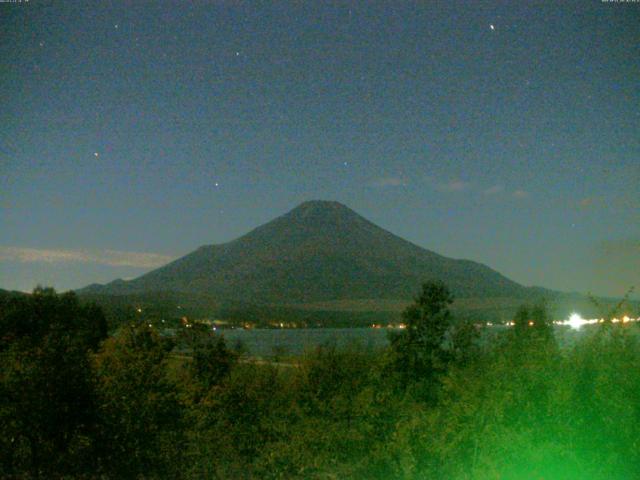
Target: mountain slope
{"x":319,"y":251}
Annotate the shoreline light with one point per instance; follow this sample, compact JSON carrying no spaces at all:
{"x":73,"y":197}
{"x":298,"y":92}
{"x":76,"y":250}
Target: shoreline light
{"x":576,"y":321}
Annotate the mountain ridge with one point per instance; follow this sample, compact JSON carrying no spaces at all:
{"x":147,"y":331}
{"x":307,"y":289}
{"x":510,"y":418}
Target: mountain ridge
{"x":319,"y":251}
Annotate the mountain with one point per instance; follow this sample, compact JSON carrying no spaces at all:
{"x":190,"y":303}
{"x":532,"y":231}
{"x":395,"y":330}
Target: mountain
{"x":320,"y":251}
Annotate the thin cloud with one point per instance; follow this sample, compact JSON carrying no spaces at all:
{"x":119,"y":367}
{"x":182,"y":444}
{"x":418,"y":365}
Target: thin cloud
{"x":386,"y":182}
{"x":113,"y":258}
{"x":493,"y":190}
{"x":521,"y":194}
{"x":453,"y":186}
{"x":585,"y":203}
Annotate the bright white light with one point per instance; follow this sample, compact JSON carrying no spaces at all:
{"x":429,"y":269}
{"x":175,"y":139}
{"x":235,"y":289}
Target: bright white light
{"x":576,"y":321}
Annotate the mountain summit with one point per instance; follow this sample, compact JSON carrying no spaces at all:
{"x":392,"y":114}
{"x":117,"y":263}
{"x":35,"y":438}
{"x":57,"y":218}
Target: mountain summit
{"x":319,"y":251}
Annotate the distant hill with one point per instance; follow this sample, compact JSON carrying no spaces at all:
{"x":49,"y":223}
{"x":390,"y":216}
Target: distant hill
{"x":5,"y":294}
{"x":320,"y":251}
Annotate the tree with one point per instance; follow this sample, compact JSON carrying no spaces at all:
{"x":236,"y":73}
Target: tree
{"x":532,"y":324}
{"x":420,"y":351}
{"x":521,"y":321}
{"x":211,"y":360}
{"x":29,"y":318}
{"x":48,"y":418}
{"x":139,"y":409}
{"x":542,"y":323}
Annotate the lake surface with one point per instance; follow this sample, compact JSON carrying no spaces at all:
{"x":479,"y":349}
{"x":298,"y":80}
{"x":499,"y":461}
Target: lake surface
{"x":269,"y":342}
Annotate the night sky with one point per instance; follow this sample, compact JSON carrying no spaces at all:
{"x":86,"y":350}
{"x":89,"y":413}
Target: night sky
{"x":507,"y":132}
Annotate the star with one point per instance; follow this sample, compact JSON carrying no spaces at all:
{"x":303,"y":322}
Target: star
{"x":115,"y":26}
{"x":216,"y":184}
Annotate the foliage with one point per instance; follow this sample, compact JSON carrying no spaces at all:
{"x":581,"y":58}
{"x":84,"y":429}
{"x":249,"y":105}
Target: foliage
{"x":139,"y":408}
{"x":137,"y":405}
{"x":48,"y":410}
{"x":211,"y":360}
{"x":422,"y":352}
{"x":524,"y":410}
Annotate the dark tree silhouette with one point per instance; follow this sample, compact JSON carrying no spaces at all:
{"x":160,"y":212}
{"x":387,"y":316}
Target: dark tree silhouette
{"x":532,"y":323}
{"x":420,"y":351}
{"x":139,"y":408}
{"x":211,"y":360}
{"x":48,"y":417}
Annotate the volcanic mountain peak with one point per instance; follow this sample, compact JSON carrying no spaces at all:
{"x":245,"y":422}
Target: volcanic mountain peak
{"x":321,"y":212}
{"x":315,"y":222}
{"x":320,"y":205}
{"x":320,"y":250}
{"x":321,"y":208}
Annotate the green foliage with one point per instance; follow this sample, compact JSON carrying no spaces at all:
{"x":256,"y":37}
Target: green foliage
{"x":533,"y":324}
{"x":337,"y":416}
{"x":233,"y":422}
{"x":208,"y":362}
{"x":211,"y":360}
{"x":521,"y":321}
{"x":524,"y":410}
{"x":31,"y":318}
{"x":420,"y":350}
{"x":137,"y":405}
{"x":48,"y":415}
{"x":139,"y":409}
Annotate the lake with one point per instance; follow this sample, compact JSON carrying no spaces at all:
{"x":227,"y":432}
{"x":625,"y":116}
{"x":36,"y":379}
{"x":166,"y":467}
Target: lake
{"x":267,"y":342}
